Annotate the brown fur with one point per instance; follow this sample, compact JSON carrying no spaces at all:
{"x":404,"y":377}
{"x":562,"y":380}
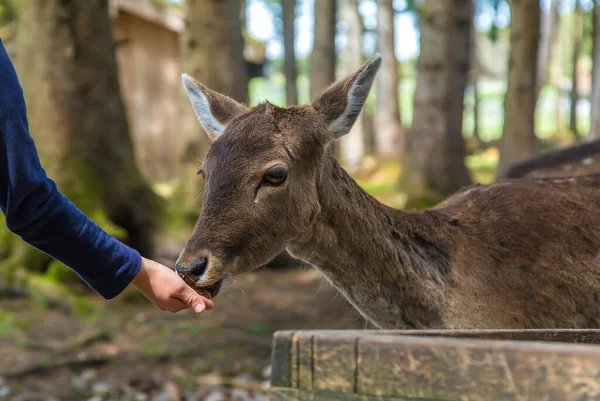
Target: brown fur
{"x":579,"y":159}
{"x":515,"y":254}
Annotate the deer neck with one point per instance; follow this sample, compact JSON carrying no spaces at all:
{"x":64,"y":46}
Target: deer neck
{"x":393,"y":266}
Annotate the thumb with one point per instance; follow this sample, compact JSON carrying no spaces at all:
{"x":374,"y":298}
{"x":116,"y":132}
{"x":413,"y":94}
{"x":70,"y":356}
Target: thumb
{"x":192,"y":299}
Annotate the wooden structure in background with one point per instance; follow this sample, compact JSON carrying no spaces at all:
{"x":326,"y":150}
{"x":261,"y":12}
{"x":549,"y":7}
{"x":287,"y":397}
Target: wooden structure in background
{"x":436,"y":365}
{"x":148,"y":55}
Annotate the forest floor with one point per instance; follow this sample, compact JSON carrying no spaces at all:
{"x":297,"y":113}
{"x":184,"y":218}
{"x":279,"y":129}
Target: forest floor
{"x":127,"y":350}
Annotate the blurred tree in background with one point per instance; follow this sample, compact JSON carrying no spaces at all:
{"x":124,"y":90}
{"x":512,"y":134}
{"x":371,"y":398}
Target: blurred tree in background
{"x":595,"y":101}
{"x":352,"y":144}
{"x":212,"y":49}
{"x":291,"y":70}
{"x":434,"y":161}
{"x":9,"y":11}
{"x":519,"y":140}
{"x":323,"y":57}
{"x":389,"y":126}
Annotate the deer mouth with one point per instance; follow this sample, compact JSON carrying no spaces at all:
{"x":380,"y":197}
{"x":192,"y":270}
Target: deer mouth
{"x":209,"y":291}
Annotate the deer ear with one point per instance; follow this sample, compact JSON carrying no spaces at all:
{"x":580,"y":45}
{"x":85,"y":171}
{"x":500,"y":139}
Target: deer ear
{"x":341,"y":103}
{"x":214,"y":110}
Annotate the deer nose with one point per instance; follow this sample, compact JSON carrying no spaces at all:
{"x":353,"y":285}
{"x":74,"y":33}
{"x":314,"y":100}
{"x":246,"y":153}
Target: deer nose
{"x":195,"y":270}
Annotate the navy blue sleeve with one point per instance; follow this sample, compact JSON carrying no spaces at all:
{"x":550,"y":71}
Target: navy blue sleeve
{"x":36,"y":211}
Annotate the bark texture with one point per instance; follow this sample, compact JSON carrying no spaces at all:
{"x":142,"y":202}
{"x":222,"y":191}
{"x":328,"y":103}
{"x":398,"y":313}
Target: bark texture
{"x":352,"y":144}
{"x":77,"y":116}
{"x":595,"y":109}
{"x":577,"y":35}
{"x":549,"y":32}
{"x":435,"y":148}
{"x":322,"y":60}
{"x":291,"y":71}
{"x":518,"y":140}
{"x":212,"y":51}
{"x":389,"y":137}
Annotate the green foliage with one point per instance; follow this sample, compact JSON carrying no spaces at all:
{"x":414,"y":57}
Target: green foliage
{"x":10,"y":322}
{"x":46,"y":292}
{"x":259,"y":327}
{"x":9,"y":11}
{"x":60,"y":273}
{"x":424,"y":202}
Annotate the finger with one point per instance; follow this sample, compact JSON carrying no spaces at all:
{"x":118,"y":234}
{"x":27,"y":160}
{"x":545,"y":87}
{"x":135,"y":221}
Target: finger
{"x":175,"y":305}
{"x":209,"y":304}
{"x":193,"y":300}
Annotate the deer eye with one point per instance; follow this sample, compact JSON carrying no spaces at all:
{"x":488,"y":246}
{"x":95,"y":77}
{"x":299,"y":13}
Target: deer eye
{"x":275,"y":176}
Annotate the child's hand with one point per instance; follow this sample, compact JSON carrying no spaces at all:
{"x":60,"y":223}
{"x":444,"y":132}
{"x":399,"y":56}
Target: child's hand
{"x":167,"y":290}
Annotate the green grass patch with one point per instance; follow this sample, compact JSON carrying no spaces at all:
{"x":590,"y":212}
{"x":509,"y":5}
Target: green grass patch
{"x":259,"y":327}
{"x":10,"y":322}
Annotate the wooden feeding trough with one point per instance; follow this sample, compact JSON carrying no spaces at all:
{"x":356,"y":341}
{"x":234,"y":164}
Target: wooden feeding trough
{"x":488,"y":365}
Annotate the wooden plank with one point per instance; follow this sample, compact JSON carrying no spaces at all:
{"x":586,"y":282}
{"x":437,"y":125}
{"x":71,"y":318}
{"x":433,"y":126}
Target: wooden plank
{"x":334,"y":361}
{"x":294,"y":362}
{"x":438,"y":364}
{"x":304,"y":350}
{"x":287,"y":394}
{"x":281,"y":362}
{"x":476,"y":370}
{"x":588,"y":336}
{"x":591,"y":336}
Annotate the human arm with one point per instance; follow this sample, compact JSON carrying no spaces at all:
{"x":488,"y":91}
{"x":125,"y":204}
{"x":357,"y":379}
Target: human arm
{"x":36,"y":211}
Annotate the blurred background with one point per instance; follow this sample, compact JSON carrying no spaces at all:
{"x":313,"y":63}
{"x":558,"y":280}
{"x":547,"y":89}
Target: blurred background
{"x":469,"y":91}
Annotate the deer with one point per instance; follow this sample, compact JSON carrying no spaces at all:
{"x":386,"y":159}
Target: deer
{"x":513,"y":254}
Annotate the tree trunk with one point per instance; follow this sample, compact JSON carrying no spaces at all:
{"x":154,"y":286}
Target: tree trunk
{"x":351,"y":145}
{"x":213,"y":46}
{"x":518,"y":140}
{"x":549,"y":31}
{"x":435,"y":149}
{"x":475,"y":72}
{"x":577,"y":34}
{"x":322,"y":60}
{"x":77,"y":116}
{"x":476,"y":133}
{"x":243,"y":14}
{"x":291,"y":73}
{"x":212,"y":51}
{"x":389,"y":127}
{"x":595,"y":109}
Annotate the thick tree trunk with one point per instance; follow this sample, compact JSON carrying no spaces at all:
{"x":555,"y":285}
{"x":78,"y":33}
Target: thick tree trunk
{"x":291,"y":72}
{"x":389,"y":132}
{"x":435,"y":149}
{"x":352,"y":144}
{"x":322,"y":60}
{"x":213,"y":46}
{"x":212,"y":51}
{"x":595,"y":109}
{"x":518,"y":140}
{"x":577,"y":34}
{"x":548,"y":35}
{"x":77,"y":116}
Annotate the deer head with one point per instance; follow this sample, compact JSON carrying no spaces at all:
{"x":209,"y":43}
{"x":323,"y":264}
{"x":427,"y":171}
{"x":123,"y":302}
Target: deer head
{"x":262,"y":174}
